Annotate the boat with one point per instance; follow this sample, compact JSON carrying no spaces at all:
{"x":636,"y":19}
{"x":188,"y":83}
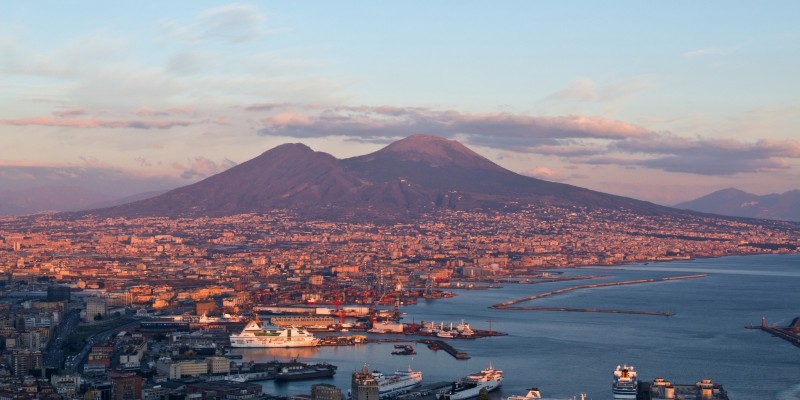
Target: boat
{"x":464,"y":329}
{"x":255,"y":334}
{"x":300,"y":371}
{"x":471,"y":385}
{"x":397,"y":383}
{"x":533,"y":393}
{"x":625,"y":383}
{"x":407,"y":350}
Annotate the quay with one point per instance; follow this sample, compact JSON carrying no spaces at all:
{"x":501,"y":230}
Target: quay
{"x":458,"y":355}
{"x":593,"y":310}
{"x":507,"y":304}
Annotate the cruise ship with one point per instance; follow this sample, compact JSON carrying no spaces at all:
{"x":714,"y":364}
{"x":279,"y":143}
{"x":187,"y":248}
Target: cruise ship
{"x":471,"y":385}
{"x":397,"y":383}
{"x":255,"y":334}
{"x":625,"y":383}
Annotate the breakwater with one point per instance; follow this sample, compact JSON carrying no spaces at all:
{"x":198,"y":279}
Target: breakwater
{"x":593,"y":310}
{"x":510,"y":304}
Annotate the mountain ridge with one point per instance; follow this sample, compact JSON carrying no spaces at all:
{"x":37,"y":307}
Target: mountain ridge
{"x":414,"y":175}
{"x":738,"y":203}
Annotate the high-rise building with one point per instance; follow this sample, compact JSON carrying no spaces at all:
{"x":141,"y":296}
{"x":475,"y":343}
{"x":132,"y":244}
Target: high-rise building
{"x":364,"y":386}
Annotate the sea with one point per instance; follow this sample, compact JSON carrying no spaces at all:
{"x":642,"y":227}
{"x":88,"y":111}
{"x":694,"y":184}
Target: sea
{"x":565,"y":354}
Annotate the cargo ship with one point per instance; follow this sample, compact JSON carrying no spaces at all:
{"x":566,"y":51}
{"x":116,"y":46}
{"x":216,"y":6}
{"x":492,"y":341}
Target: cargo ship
{"x":470,"y":386}
{"x":625,"y":383}
{"x":255,"y":334}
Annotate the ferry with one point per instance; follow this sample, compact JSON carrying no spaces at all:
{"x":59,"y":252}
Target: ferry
{"x":625,"y":383}
{"x":471,"y":386}
{"x":255,"y":334}
{"x":533,"y":393}
{"x":397,"y":383}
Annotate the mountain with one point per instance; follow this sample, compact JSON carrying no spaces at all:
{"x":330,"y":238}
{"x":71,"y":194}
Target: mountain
{"x":413,"y":175}
{"x":48,"y":198}
{"x":736,"y":203}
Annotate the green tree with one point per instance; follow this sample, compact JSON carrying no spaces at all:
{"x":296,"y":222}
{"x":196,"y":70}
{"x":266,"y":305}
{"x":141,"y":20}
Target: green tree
{"x":483,"y":394}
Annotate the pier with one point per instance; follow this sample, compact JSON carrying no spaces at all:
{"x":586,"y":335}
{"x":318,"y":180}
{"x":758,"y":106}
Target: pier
{"x":509,"y":305}
{"x":789,"y":334}
{"x":593,"y":310}
{"x":458,"y":355}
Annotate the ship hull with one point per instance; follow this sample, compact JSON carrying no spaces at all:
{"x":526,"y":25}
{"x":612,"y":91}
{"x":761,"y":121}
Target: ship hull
{"x":469,"y":393}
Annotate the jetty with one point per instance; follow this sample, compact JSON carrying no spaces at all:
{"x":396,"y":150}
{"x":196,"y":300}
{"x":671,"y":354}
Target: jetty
{"x":458,"y":355}
{"x":789,"y":333}
{"x":509,"y":305}
{"x":593,"y":310}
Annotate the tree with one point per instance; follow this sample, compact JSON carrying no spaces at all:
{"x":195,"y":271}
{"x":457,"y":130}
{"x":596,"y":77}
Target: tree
{"x":483,"y":394}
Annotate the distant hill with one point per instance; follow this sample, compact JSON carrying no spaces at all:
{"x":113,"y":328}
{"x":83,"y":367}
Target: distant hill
{"x":48,"y":198}
{"x":60,"y":198}
{"x":413,"y":175}
{"x":737,"y":203}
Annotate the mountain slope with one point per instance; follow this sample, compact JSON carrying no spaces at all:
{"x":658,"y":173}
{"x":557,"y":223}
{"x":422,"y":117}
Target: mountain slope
{"x":413,"y":175}
{"x":288,"y":176}
{"x":737,"y":203}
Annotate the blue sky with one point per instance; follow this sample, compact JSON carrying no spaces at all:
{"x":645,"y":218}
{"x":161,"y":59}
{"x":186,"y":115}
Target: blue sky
{"x":659,"y":101}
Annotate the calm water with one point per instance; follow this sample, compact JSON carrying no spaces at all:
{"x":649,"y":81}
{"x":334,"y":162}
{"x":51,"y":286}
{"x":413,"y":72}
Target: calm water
{"x":565,"y":353}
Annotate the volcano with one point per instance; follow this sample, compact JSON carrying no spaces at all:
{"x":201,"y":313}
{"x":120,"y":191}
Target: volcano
{"x":418,"y":174}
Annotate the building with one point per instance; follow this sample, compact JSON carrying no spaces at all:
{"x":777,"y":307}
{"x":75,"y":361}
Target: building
{"x":364,"y":386}
{"x":218,"y":365}
{"x":23,"y":361}
{"x":125,"y":385}
{"x":178,"y":370}
{"x":325,"y":391}
{"x":58,"y":293}
{"x":96,"y":306}
{"x":205,"y":307}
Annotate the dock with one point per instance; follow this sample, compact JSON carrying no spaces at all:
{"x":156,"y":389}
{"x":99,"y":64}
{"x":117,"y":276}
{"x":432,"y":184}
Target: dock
{"x":458,"y":355}
{"x":509,"y":305}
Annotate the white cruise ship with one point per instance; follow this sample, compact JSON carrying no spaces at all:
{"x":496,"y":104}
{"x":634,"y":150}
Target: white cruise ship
{"x":471,"y":385}
{"x":625,"y":383}
{"x":255,"y":334}
{"x":397,"y":383}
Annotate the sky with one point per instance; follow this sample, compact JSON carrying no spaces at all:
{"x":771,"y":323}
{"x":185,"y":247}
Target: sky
{"x":660,"y":101}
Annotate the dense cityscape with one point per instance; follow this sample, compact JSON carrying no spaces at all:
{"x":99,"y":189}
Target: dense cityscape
{"x":81,"y":298}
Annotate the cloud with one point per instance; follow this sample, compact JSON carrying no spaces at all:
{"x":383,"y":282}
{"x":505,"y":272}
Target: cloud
{"x":703,"y":52}
{"x":202,"y":167}
{"x":586,"y":90}
{"x":578,"y":139}
{"x":233,"y":23}
{"x":542,"y":173}
{"x":89,"y":174}
{"x":500,"y":130}
{"x":89,"y":123}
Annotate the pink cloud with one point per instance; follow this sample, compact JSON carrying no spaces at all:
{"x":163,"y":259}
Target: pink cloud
{"x":89,"y":123}
{"x":542,"y":173}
